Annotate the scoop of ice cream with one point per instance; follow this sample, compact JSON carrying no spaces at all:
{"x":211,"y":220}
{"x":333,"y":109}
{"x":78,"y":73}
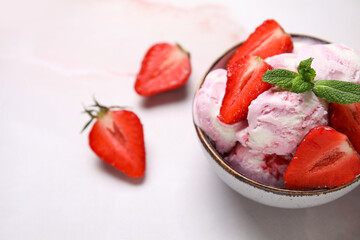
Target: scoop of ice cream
{"x":331,"y":61}
{"x":264,"y":168}
{"x":278,"y":120}
{"x":206,"y":107}
{"x":304,"y":42}
{"x":286,"y":61}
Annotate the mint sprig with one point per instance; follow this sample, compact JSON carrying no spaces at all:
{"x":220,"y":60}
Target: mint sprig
{"x":305,"y":70}
{"x":331,"y":90}
{"x":280,"y":77}
{"x":337,"y":91}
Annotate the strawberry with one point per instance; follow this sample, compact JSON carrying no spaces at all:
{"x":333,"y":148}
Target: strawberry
{"x":325,"y":159}
{"x":164,"y":68}
{"x":345,"y":118}
{"x":269,"y":39}
{"x":244,"y":84}
{"x":117,"y":138}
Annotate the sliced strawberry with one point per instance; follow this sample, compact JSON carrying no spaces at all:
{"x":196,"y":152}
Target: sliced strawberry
{"x":269,"y":39}
{"x":325,"y":159}
{"x":117,"y":138}
{"x":244,"y":84}
{"x":345,"y":118}
{"x":164,"y":68}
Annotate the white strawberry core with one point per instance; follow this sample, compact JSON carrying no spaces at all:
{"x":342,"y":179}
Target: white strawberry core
{"x":346,"y":148}
{"x":276,"y":34}
{"x":173,"y":58}
{"x":107,"y":121}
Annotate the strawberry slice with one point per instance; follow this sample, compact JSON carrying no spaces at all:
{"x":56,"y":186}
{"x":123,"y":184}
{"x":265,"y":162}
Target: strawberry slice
{"x":117,"y":138}
{"x":164,"y":68}
{"x":345,"y":118}
{"x":325,"y":159}
{"x":269,"y":39}
{"x":244,"y":84}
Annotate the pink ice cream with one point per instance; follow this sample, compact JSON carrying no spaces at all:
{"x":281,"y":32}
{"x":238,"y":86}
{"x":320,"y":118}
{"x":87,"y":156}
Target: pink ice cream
{"x":206,"y":108}
{"x":268,"y":169}
{"x":279,"y":120}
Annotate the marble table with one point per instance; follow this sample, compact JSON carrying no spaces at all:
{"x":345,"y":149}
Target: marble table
{"x":55,"y":56}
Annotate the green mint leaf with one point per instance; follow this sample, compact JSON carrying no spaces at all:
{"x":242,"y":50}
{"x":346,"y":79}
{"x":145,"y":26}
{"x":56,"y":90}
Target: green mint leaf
{"x":306,"y":71}
{"x":331,"y":90}
{"x":280,"y":77}
{"x":306,"y":63}
{"x":300,"y":86}
{"x":337,"y":91}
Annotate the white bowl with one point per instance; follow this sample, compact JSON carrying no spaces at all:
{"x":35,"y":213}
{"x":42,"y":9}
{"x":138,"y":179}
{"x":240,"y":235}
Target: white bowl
{"x":259,"y":192}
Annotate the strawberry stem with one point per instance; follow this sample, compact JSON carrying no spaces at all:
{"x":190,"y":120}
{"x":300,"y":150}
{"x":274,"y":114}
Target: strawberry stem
{"x":97,"y":112}
{"x":182,"y":49}
{"x":87,"y":124}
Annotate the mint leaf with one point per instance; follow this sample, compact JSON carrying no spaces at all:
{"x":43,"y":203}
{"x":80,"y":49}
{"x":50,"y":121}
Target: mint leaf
{"x":306,"y":71}
{"x":280,"y":77}
{"x":337,"y":91}
{"x":331,"y":90}
{"x":300,"y":86}
{"x":305,"y":63}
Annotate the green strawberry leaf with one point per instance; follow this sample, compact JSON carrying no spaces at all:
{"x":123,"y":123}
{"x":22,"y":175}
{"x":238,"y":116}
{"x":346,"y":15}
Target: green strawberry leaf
{"x":280,"y":77}
{"x":337,"y":91}
{"x":300,"y":86}
{"x":306,"y":71}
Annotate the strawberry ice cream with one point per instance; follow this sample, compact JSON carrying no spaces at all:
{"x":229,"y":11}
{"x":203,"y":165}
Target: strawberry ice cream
{"x":206,"y":108}
{"x":278,"y":120}
{"x":258,"y":166}
{"x":262,"y":146}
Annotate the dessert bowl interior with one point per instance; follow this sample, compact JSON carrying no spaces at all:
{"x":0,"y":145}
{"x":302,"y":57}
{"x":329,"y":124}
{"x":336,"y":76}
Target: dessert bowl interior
{"x":262,"y":193}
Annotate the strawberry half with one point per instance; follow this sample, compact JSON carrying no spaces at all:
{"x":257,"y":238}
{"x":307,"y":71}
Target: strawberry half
{"x":269,"y":39}
{"x":244,"y":84}
{"x":345,"y":118}
{"x":117,"y":138}
{"x":325,"y":159}
{"x":164,"y":68}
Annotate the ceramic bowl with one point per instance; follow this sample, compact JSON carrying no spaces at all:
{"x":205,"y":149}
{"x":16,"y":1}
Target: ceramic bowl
{"x":259,"y":192}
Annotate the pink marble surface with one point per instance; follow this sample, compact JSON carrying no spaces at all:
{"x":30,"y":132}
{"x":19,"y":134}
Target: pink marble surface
{"x":56,"y":55}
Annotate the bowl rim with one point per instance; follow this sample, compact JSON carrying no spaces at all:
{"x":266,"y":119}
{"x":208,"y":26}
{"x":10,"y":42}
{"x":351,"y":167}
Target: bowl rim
{"x":222,"y":163}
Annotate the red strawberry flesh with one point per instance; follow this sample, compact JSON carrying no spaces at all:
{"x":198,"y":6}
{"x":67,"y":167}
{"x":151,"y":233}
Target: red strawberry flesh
{"x":165,"y":67}
{"x":267,"y":40}
{"x":117,"y":138}
{"x":345,"y":118}
{"x":325,"y":159}
{"x":244,"y":84}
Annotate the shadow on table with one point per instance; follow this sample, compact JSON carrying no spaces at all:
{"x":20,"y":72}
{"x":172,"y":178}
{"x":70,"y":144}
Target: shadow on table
{"x":336,"y":220}
{"x":107,"y":169}
{"x":173,"y":96}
